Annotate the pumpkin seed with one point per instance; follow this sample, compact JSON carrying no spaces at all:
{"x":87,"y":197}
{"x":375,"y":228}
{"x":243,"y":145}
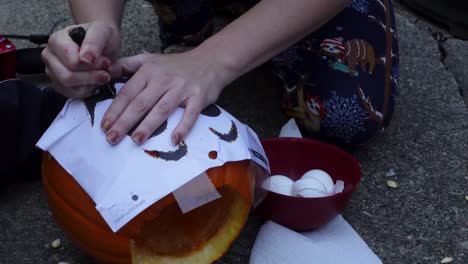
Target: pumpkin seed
{"x":446,"y":260}
{"x":392,"y":184}
{"x":466,"y":197}
{"x":56,"y":243}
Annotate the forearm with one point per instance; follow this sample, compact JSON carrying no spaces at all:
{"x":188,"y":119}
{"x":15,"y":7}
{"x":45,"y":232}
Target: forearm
{"x":108,"y":11}
{"x":267,"y":29}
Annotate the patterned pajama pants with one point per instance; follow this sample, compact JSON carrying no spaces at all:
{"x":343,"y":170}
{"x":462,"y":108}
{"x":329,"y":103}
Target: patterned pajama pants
{"x":338,"y":83}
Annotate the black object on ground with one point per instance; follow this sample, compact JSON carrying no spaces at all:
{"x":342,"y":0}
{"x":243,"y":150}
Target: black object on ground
{"x":452,"y":13}
{"x":29,"y":61}
{"x":34,"y":38}
{"x":25,"y":112}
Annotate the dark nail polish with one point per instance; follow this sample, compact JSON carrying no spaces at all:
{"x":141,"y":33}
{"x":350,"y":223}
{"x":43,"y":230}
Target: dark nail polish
{"x":105,"y":78}
{"x":106,"y":64}
{"x":88,"y":57}
{"x":176,"y":139}
{"x":105,"y":125}
{"x":138,"y":138}
{"x":112,"y":137}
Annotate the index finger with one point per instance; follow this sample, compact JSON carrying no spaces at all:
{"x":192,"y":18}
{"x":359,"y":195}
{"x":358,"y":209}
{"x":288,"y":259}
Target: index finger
{"x":124,"y":96}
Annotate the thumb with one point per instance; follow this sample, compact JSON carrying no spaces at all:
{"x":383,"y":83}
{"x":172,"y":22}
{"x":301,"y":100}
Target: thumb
{"x":98,"y":35}
{"x":127,"y":65}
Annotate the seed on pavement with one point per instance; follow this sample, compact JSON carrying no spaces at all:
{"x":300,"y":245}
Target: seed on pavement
{"x":446,"y":260}
{"x":392,"y":184}
{"x":56,"y":243}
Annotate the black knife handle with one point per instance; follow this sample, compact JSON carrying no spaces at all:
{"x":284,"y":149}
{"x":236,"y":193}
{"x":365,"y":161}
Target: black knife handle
{"x":77,"y":35}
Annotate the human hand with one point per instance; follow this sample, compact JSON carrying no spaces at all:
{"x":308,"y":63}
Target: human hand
{"x":160,"y":84}
{"x":76,"y":71}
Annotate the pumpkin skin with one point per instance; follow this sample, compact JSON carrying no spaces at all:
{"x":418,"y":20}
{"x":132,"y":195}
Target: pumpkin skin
{"x":75,"y":212}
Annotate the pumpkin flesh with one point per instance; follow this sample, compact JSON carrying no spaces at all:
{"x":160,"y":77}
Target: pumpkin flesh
{"x":200,"y":236}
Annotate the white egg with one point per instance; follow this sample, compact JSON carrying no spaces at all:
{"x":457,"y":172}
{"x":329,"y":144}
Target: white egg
{"x":278,"y":184}
{"x":311,"y":193}
{"x":321,"y":176}
{"x":309,"y":188}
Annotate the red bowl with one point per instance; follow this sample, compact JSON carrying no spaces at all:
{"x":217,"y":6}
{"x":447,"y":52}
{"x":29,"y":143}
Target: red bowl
{"x":293,"y":157}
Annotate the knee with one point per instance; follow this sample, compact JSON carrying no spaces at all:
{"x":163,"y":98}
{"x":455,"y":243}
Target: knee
{"x":345,"y":121}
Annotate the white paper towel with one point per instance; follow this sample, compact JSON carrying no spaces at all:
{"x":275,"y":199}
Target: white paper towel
{"x":290,"y":129}
{"x":333,"y":243}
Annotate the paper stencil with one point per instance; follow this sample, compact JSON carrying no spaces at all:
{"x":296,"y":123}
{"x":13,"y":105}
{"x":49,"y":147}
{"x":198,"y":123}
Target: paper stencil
{"x":125,"y":179}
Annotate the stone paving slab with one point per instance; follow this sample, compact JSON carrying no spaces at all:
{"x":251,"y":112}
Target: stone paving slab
{"x":422,"y":221}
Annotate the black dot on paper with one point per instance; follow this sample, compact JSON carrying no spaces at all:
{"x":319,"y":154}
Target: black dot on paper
{"x":135,"y":197}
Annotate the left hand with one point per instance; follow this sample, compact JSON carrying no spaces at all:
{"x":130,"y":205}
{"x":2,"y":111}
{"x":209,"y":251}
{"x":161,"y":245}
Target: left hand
{"x":160,"y":84}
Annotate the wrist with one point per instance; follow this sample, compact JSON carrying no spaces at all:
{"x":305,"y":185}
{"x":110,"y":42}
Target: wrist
{"x":220,"y":58}
{"x":106,"y":11}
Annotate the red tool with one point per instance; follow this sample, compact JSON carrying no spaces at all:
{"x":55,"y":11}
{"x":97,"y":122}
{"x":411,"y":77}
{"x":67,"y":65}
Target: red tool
{"x":7,"y":59}
{"x":26,"y":60}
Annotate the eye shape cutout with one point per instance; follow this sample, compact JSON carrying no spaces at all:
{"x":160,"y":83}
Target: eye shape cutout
{"x":211,"y":111}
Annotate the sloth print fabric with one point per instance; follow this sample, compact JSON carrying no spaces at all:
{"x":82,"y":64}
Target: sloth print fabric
{"x":339,"y":83}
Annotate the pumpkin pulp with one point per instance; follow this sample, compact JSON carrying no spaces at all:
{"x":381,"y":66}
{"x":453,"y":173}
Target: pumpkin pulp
{"x":174,"y":233}
{"x":199,"y":236}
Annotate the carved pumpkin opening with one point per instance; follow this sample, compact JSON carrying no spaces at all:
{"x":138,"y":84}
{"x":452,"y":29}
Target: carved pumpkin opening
{"x":161,"y":233}
{"x":199,"y":236}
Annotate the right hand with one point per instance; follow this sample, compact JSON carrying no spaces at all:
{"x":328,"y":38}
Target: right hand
{"x":76,"y":71}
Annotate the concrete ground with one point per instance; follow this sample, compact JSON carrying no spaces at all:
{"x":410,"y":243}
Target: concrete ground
{"x":426,"y":146}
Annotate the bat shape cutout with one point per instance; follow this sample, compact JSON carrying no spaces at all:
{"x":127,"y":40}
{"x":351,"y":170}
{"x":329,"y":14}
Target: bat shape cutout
{"x":104,"y":92}
{"x":229,"y":136}
{"x":173,"y":155}
{"x":157,"y":132}
{"x":211,"y":111}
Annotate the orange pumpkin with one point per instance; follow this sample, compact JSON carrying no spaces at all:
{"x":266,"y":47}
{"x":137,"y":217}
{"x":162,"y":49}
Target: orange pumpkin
{"x":161,"y":233}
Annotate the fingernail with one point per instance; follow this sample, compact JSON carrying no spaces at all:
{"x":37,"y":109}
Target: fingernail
{"x":88,"y":57}
{"x":106,"y":64}
{"x":176,"y":139}
{"x":104,"y":78}
{"x":106,"y":125}
{"x":112,"y":137}
{"x":138,"y":138}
